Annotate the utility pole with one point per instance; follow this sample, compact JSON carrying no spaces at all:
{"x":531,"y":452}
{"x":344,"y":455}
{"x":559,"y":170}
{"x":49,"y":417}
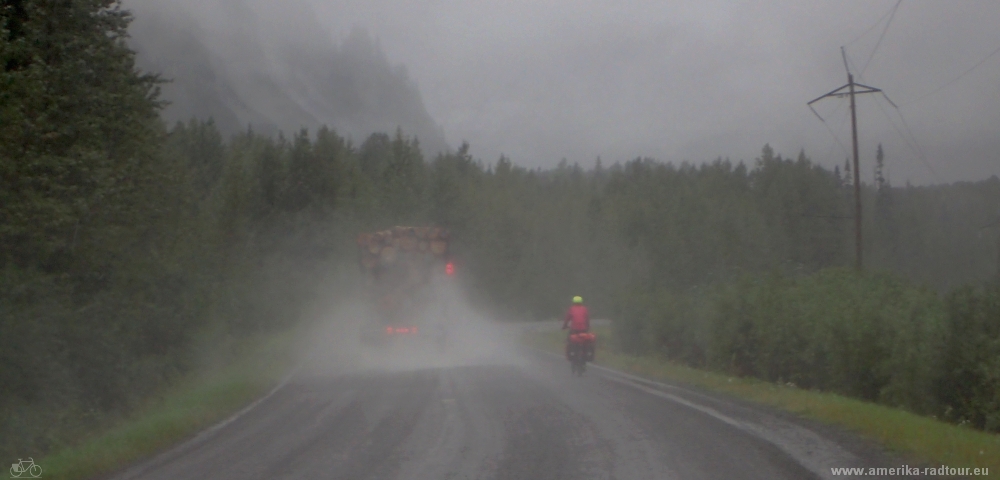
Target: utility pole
{"x":852,"y":90}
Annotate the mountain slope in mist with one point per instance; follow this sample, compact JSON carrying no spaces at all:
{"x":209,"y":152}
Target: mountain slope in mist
{"x":275,"y":68}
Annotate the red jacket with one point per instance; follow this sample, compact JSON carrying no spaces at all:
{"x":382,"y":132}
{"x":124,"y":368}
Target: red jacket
{"x":577,"y":318}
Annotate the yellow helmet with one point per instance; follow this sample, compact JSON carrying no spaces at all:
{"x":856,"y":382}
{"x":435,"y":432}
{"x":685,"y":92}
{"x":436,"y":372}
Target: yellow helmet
{"x":577,"y":299}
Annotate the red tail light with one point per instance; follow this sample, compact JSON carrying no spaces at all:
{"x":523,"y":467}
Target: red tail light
{"x":449,"y":269}
{"x":400,"y":330}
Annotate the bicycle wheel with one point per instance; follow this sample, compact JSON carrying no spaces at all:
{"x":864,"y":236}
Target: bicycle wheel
{"x":35,"y":471}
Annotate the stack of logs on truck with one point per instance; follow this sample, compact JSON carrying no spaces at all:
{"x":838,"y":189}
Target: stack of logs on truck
{"x":399,"y":264}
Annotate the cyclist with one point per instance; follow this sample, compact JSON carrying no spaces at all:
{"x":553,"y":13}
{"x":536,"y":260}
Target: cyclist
{"x":577,"y":320}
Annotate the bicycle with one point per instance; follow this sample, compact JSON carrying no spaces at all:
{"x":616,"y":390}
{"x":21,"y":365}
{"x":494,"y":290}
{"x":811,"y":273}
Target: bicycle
{"x":579,"y":351}
{"x":22,"y":467}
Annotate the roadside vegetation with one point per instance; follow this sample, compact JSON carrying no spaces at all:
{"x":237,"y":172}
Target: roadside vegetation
{"x":130,"y":248}
{"x":914,"y":437}
{"x":873,"y":337}
{"x":244,"y":370}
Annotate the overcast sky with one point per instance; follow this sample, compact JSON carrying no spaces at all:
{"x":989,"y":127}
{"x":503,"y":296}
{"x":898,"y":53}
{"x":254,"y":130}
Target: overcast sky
{"x":541,"y":80}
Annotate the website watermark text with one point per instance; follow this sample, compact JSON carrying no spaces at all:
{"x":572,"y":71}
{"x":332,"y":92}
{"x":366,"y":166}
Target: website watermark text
{"x":941,"y":471}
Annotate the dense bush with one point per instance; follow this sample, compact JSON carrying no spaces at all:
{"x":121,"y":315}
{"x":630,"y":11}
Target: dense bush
{"x":668,"y":325}
{"x":869,"y":336}
{"x":969,"y":388}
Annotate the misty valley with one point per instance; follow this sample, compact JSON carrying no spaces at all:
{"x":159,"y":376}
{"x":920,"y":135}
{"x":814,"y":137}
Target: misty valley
{"x":208,"y":221}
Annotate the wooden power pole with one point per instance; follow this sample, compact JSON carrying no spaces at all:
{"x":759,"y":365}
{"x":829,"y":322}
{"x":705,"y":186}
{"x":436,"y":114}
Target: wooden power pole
{"x":852,"y":89}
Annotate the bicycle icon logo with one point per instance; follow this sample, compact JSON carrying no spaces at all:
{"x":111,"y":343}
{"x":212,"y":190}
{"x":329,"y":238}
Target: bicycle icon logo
{"x":26,"y":468}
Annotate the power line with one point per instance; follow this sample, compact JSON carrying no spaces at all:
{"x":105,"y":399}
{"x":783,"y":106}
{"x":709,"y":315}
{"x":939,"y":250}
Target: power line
{"x":835,"y":140}
{"x":911,"y":141}
{"x":835,"y":137}
{"x":882,"y":36}
{"x":952,"y":81}
{"x":869,"y":29}
{"x":909,"y":130}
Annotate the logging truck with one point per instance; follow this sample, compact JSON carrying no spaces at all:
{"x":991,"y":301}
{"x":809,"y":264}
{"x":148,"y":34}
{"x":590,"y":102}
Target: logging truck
{"x":401,"y":265}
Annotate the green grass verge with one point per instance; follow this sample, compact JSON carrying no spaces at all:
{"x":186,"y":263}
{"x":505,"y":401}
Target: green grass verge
{"x":924,"y":439}
{"x":253,"y":366}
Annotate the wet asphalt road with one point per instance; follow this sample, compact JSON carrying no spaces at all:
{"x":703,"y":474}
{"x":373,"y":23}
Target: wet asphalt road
{"x":520,"y":420}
